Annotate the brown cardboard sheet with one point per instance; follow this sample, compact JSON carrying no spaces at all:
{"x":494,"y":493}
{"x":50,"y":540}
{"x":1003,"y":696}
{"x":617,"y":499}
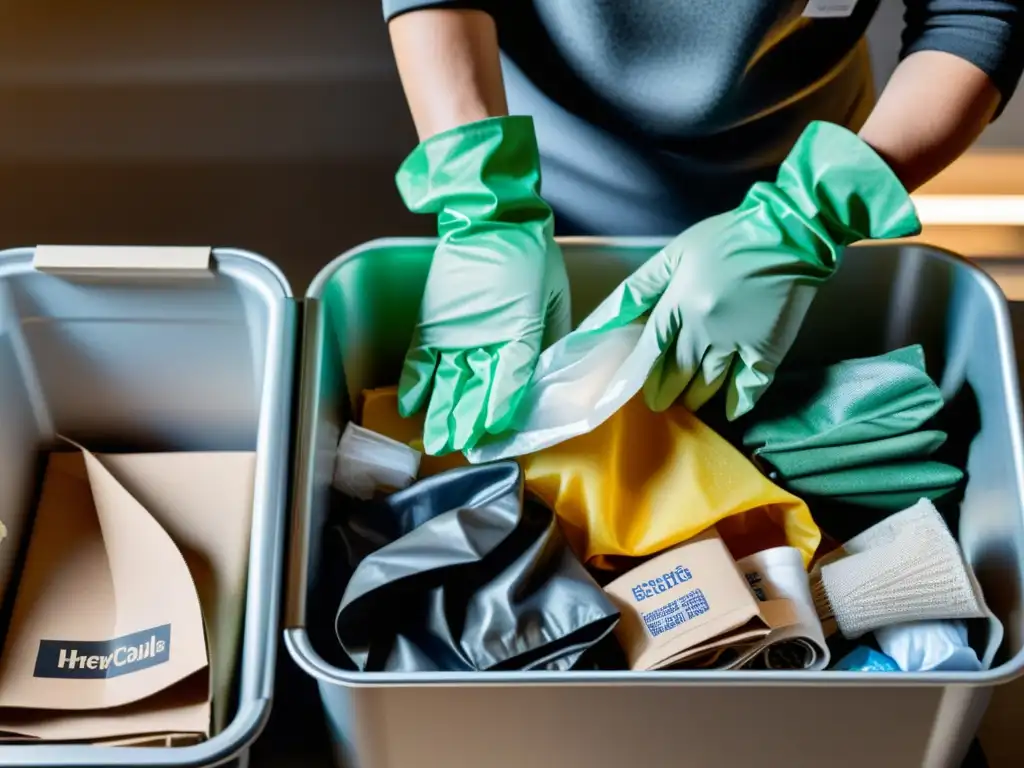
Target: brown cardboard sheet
{"x":136,"y":566}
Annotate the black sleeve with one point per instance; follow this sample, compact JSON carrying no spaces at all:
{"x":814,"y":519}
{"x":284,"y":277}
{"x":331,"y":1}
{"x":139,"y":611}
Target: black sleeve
{"x":987,"y":33}
{"x":394,"y":8}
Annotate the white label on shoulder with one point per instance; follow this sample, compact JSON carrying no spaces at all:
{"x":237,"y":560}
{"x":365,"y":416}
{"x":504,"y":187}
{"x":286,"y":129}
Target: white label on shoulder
{"x":829,"y":9}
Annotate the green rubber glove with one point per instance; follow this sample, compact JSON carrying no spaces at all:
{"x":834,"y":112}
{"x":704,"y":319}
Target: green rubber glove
{"x":853,"y":432}
{"x":496,"y":292}
{"x":727,"y":297}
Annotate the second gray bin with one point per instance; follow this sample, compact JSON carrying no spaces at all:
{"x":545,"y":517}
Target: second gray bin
{"x":117,"y":359}
{"x":359,"y":316}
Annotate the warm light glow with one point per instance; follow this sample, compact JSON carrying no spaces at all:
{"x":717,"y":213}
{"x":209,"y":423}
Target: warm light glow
{"x":1004,"y":210}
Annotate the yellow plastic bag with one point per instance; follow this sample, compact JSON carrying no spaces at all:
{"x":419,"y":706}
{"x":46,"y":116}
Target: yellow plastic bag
{"x":638,"y":484}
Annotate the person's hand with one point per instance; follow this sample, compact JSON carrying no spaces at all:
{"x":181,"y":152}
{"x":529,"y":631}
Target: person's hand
{"x":727,"y":297}
{"x":496,"y":292}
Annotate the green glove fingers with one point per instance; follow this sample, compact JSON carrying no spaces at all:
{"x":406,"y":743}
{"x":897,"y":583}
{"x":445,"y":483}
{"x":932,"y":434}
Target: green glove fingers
{"x":513,"y":369}
{"x":558,"y":317}
{"x":681,"y":353}
{"x":450,"y":379}
{"x":497,"y":287}
{"x":475,"y":392}
{"x":710,"y":376}
{"x":488,"y":401}
{"x":686,"y":367}
{"x":468,"y":416}
{"x":414,"y":384}
{"x":752,"y":375}
{"x":635,"y":296}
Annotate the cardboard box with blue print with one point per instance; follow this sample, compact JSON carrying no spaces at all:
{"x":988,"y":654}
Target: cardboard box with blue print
{"x":692,"y":606}
{"x":129,"y":605}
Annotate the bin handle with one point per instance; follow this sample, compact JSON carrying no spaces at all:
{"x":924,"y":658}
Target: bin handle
{"x":148,"y":261}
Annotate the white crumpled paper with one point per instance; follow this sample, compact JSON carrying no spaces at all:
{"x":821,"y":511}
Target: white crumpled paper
{"x":778,"y":573}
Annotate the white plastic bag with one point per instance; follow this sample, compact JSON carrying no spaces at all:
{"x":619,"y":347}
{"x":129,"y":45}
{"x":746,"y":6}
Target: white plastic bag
{"x":929,"y":646}
{"x":367,"y":462}
{"x":579,"y":383}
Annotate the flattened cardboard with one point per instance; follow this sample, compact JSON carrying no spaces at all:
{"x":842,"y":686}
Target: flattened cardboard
{"x":204,"y":501}
{"x":185,"y":705}
{"x":122,"y":541}
{"x":691,"y":606}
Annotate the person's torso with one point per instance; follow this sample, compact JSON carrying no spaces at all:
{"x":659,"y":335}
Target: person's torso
{"x":708,"y":89}
{"x":677,"y":70}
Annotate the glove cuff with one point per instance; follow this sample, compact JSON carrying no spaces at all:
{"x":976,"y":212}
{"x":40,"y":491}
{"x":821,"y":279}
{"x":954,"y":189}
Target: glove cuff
{"x":479,"y":173}
{"x":839,"y":181}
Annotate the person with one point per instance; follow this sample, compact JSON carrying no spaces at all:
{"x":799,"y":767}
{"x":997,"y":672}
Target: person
{"x":751,"y":126}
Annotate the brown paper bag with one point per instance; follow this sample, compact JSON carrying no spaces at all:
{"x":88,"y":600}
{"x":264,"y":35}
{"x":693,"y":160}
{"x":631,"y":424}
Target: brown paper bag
{"x":129,"y":553}
{"x":691,"y":606}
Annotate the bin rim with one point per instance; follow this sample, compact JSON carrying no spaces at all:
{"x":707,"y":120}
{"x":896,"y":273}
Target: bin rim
{"x":318,"y":283}
{"x":245,"y":728}
{"x":301,"y":650}
{"x":252,"y":715}
{"x":309,"y":661}
{"x":263,"y":261}
{"x":16,"y":256}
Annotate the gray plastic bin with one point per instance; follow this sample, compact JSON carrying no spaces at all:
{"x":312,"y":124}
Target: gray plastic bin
{"x":360,"y":312}
{"x":128,"y":362}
